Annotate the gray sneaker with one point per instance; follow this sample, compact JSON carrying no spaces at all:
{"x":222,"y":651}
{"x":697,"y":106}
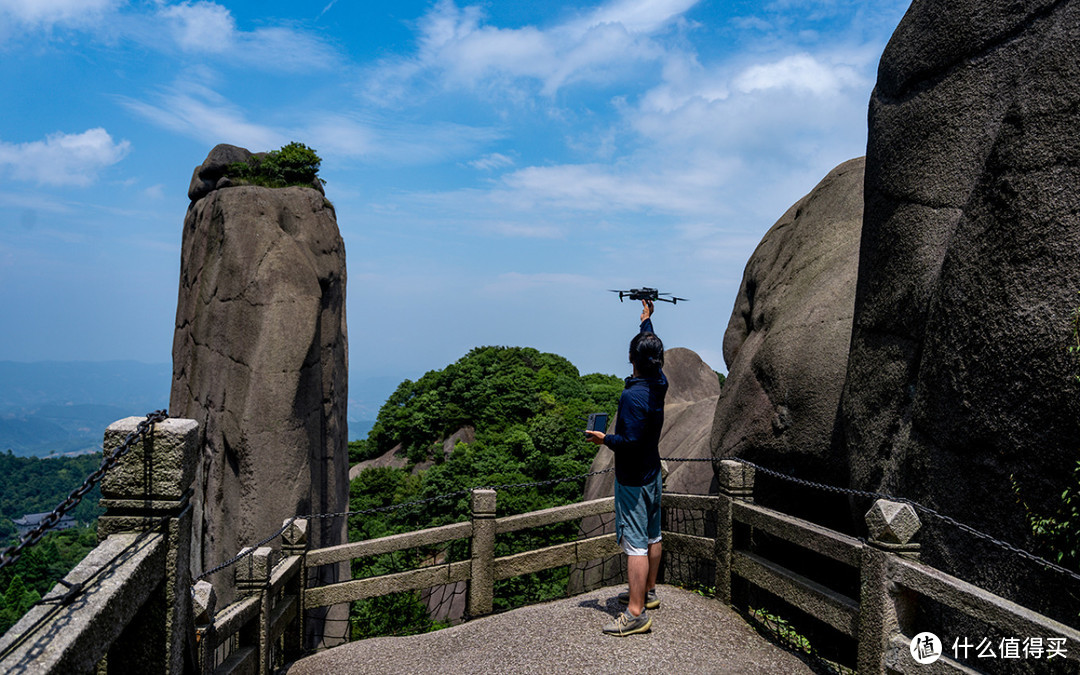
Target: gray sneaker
{"x":651,"y":601}
{"x":625,"y":624}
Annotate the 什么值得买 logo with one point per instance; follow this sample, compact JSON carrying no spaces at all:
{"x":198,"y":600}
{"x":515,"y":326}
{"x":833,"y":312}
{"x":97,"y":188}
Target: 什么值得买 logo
{"x":925,"y":648}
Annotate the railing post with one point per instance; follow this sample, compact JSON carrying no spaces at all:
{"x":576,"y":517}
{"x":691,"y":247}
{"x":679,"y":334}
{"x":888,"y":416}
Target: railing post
{"x":149,"y":489}
{"x":204,"y":602}
{"x":885,"y":609}
{"x":482,"y":575}
{"x":253,"y":578}
{"x":736,"y":482}
{"x":294,"y":541}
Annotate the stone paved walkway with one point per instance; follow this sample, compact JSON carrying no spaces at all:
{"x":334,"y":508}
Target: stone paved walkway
{"x":691,"y":634}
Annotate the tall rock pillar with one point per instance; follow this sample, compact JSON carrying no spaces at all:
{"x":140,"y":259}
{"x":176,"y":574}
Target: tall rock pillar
{"x":260,"y":360}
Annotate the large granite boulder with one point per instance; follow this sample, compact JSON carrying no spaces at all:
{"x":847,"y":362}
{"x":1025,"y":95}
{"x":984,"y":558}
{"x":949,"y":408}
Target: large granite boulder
{"x":260,"y":361}
{"x":959,"y":390}
{"x":787,"y":340}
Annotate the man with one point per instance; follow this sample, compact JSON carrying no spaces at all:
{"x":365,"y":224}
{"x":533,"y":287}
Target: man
{"x":637,"y":475}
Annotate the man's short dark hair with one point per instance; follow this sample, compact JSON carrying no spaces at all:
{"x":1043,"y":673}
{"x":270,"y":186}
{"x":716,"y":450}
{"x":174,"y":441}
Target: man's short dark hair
{"x":647,"y":353}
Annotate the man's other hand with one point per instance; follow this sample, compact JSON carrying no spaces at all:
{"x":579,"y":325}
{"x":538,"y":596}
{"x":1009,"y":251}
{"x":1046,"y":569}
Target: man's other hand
{"x":595,"y":437}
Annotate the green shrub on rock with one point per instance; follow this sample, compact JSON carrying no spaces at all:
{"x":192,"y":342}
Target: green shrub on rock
{"x":293,"y":164}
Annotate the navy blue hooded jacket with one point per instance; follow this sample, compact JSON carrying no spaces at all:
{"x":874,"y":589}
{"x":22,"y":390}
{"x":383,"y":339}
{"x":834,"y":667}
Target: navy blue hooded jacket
{"x":636,"y":441}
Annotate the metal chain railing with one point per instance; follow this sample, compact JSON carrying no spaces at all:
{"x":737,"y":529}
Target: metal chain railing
{"x":1012,"y":548}
{"x":12,"y":553}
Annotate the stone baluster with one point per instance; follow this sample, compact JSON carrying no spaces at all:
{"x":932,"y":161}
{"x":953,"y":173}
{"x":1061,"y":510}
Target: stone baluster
{"x":482,"y":582}
{"x":885,"y":608}
{"x":253,"y":579}
{"x":203,"y":605}
{"x":294,"y":542}
{"x":736,"y":483}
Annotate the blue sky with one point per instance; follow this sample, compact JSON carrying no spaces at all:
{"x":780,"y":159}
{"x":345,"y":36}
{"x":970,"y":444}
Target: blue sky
{"x":495,"y":166}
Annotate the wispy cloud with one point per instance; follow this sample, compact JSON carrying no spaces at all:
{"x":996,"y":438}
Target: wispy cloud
{"x":199,"y":112}
{"x":462,"y":50}
{"x":63,"y":159}
{"x":206,"y":27}
{"x":48,"y":13}
{"x":491,"y":162}
{"x":201,"y":26}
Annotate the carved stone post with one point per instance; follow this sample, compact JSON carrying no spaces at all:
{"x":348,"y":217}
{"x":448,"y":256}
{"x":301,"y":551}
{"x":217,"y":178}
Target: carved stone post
{"x":482,"y":581}
{"x":885,"y":609}
{"x":204,"y":602}
{"x":736,"y":482}
{"x":149,"y":489}
{"x":253,"y":578}
{"x":294,"y":541}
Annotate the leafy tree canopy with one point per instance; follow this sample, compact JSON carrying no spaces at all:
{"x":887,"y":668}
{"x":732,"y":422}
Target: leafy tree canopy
{"x":293,"y":164}
{"x":527,"y":408}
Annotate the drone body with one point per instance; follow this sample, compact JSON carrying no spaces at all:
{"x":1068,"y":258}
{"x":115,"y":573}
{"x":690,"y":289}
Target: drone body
{"x":648,"y":294}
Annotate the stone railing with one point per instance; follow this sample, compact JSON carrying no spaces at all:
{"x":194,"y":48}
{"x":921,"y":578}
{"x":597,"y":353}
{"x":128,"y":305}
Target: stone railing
{"x":123,"y":609}
{"x":129,"y":606}
{"x":885,"y":569}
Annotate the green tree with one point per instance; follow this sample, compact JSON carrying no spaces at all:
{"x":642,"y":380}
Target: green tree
{"x":527,"y":408}
{"x":293,"y":164}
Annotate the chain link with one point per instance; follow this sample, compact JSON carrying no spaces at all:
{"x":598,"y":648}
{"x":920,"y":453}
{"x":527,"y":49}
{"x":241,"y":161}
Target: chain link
{"x":12,"y":553}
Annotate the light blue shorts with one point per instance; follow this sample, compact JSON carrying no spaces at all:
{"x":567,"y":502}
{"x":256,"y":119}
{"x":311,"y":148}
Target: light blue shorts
{"x":637,"y":515}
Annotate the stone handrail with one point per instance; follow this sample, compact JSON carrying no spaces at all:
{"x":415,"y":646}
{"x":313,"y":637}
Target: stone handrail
{"x":114,"y":598}
{"x":134,"y":588}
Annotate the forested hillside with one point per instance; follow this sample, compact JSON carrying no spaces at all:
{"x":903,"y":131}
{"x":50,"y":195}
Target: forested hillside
{"x":32,"y":485}
{"x":527,"y":408}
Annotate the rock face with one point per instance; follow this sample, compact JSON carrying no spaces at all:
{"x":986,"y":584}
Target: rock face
{"x":969,"y":267}
{"x":260,"y":361}
{"x":787,"y":341}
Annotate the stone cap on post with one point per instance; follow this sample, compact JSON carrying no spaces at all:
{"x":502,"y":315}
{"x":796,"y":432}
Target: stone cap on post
{"x":204,"y":602}
{"x":294,"y":539}
{"x":253,"y":570}
{"x":483,"y":503}
{"x":892,"y":526}
{"x":154,"y":477}
{"x":735,"y":479}
{"x":161,"y":466}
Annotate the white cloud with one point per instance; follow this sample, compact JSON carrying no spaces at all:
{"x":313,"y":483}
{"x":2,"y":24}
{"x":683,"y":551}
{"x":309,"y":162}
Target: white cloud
{"x":492,"y":162}
{"x":201,"y":113}
{"x":63,"y":159}
{"x":605,"y":189}
{"x":46,"y":13}
{"x":637,"y":16}
{"x":800,"y":73}
{"x":607,"y":44}
{"x":201,"y":26}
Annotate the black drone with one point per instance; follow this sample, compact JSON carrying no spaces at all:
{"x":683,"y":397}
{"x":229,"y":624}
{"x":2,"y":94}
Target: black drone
{"x":646,"y":294}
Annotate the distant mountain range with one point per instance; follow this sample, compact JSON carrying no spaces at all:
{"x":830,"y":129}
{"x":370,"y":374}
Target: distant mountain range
{"x":63,"y":407}
{"x":54,"y":407}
